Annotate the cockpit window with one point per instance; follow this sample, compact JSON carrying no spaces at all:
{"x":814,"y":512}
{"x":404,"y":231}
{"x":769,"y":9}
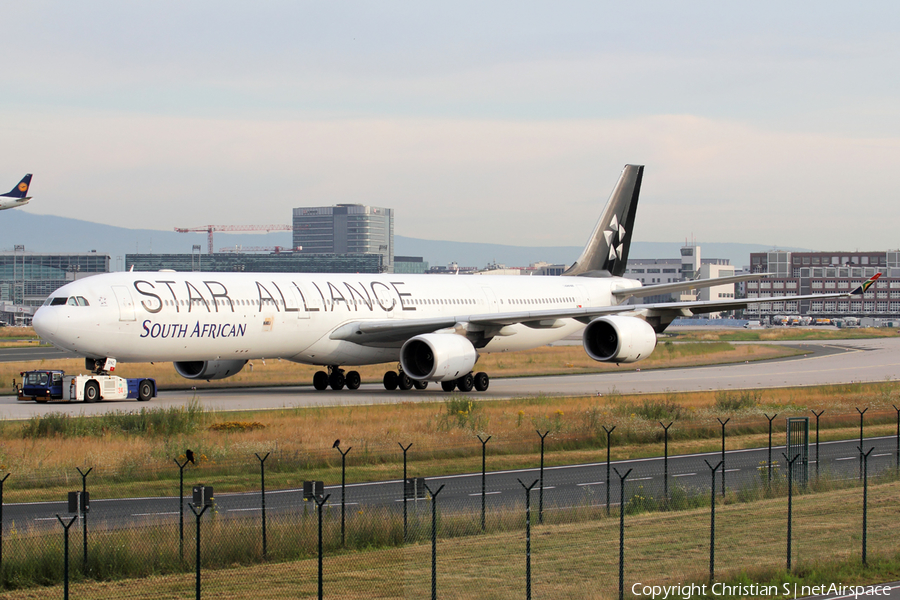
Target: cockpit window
{"x":58,"y":301}
{"x":82,"y":301}
{"x":72,"y":302}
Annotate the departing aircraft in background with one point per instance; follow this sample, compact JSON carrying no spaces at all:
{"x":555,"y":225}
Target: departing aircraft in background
{"x":16,"y":196}
{"x":210,"y":324}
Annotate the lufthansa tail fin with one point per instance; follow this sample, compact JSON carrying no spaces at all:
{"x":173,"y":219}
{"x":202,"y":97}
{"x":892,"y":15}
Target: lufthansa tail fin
{"x":606,"y":253}
{"x":21,"y":189}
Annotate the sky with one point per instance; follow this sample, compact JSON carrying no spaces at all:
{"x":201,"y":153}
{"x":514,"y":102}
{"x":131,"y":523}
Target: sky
{"x":505,"y":122}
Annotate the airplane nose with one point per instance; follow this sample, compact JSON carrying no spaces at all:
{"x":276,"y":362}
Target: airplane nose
{"x":45,"y":322}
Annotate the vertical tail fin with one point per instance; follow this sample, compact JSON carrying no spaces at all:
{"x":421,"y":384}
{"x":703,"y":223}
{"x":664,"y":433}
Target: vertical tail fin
{"x":21,"y":189}
{"x":607,"y":250}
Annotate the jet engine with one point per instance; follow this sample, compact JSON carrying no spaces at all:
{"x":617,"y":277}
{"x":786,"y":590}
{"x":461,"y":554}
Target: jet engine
{"x":619,"y":339}
{"x":437,"y":356}
{"x":209,"y":369}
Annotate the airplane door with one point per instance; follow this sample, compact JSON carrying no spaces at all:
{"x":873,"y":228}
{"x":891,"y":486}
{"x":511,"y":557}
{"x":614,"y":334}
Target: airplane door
{"x":126,"y":304}
{"x":584,"y":297}
{"x":491,"y":299}
{"x":292,"y":302}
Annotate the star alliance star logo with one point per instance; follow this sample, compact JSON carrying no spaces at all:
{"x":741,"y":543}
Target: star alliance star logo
{"x":615,"y":232}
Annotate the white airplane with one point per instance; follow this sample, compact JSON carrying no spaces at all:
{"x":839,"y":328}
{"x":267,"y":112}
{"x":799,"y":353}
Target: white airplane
{"x":16,"y":196}
{"x":211,"y":324}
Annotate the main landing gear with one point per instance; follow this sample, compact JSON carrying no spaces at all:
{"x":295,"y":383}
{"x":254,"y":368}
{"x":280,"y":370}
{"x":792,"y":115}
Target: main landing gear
{"x":393,"y":380}
{"x":336,"y":379}
{"x":480,"y":381}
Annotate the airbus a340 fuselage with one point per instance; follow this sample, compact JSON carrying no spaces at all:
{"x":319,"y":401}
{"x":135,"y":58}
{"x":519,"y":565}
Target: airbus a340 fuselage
{"x":211,"y":324}
{"x":211,"y":316}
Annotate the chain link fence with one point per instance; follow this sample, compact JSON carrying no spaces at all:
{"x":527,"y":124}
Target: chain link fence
{"x":447,"y":545}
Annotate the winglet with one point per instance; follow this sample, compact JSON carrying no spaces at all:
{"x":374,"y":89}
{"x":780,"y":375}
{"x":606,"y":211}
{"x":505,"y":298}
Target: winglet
{"x":862,"y":289}
{"x":21,"y":188}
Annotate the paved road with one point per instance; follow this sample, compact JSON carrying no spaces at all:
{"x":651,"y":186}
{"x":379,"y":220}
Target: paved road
{"x":824,"y":363}
{"x":564,"y":486}
{"x":34,"y":353}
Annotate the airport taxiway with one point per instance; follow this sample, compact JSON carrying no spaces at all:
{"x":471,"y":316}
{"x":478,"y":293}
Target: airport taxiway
{"x":834,"y":362}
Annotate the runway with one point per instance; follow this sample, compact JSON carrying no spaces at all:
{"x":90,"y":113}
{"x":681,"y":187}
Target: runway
{"x":844,"y":361}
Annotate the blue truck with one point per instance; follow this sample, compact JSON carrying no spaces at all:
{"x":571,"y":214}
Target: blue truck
{"x":49,"y":384}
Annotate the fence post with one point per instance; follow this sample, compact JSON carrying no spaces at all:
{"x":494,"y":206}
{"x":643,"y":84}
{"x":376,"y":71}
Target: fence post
{"x":66,"y":554}
{"x":712,"y":519}
{"x":622,"y":531}
{"x":897,"y":464}
{"x":433,"y":540}
{"x":865,"y":458}
{"x":84,"y":495}
{"x":197,"y":558}
{"x":2,"y":481}
{"x":405,"y":526}
{"x":861,"y":413}
{"x":769,"y":462}
{"x":608,"y":441}
{"x":528,"y":536}
{"x":541,"y":490}
{"x":819,"y":414}
{"x":483,"y":477}
{"x":790,"y":477}
{"x":262,"y":483}
{"x":343,"y":485}
{"x":319,"y":505}
{"x":181,"y":467}
{"x":666,"y":463}
{"x":405,"y":530}
{"x":723,"y":423}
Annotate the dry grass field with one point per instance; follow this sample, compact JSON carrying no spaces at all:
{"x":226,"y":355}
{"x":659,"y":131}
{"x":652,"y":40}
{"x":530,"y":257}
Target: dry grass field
{"x":443,"y":435}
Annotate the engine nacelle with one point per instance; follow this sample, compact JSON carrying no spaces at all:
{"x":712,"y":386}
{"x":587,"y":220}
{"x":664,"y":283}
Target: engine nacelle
{"x":619,"y":339}
{"x":209,"y":369}
{"x":437,"y":356}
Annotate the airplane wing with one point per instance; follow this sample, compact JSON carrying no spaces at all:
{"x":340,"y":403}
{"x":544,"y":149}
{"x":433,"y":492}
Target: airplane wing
{"x":681,"y":286}
{"x":387,"y":333}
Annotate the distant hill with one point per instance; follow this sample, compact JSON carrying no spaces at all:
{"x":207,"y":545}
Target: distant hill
{"x":43,"y":233}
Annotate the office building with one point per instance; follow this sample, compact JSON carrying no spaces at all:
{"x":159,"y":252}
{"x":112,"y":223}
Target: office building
{"x":346,"y":229}
{"x":805,"y":273}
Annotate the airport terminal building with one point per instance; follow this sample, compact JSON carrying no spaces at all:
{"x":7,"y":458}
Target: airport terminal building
{"x":28,"y":278}
{"x":803,"y":273}
{"x":278,"y":262}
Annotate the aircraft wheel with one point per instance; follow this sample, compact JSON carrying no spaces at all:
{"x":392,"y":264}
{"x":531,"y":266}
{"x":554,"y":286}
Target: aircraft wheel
{"x":391,"y":380}
{"x":320,"y":380}
{"x":482,"y":381}
{"x":465,"y":383}
{"x":405,"y":383}
{"x":448,"y":386}
{"x":91,"y":391}
{"x":420,"y":385}
{"x":353,"y":380}
{"x":336,"y":380}
{"x":145,"y":390}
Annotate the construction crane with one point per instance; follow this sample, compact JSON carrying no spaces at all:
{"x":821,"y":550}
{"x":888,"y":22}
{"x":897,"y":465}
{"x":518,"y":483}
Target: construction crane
{"x":209,"y":229}
{"x":275,"y":249}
